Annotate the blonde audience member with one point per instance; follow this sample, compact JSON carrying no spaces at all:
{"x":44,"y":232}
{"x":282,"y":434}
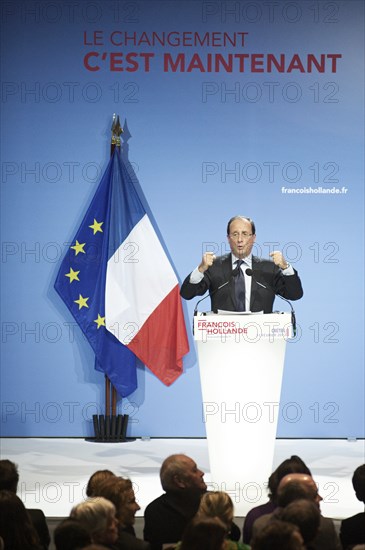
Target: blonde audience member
{"x":97,"y":515}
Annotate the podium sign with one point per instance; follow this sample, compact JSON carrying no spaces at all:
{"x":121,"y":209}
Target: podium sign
{"x":241,"y":361}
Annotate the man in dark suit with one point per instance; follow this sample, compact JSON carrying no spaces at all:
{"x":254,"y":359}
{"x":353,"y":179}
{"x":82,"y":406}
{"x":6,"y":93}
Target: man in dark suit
{"x":352,"y":529}
{"x":167,"y":516}
{"x":231,"y":288}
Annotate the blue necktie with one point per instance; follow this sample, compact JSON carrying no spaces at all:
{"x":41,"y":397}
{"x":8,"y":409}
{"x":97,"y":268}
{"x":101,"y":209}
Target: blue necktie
{"x":239,"y":288}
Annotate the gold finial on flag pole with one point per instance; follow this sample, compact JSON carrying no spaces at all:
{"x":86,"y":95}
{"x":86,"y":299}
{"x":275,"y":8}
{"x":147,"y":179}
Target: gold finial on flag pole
{"x":116,"y":130}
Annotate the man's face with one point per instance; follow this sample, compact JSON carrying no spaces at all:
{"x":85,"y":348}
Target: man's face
{"x":240,"y":238}
{"x":193,"y":477}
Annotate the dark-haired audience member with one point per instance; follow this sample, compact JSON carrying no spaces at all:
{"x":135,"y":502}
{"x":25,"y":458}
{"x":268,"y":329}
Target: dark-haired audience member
{"x":301,"y":486}
{"x":306,"y":516}
{"x":120,"y":492}
{"x":278,"y":535}
{"x":97,"y":479}
{"x":97,"y":516}
{"x":203,"y":534}
{"x":16,"y":528}
{"x":9,"y":478}
{"x":352,"y":530}
{"x":70,"y":534}
{"x":294,"y":464}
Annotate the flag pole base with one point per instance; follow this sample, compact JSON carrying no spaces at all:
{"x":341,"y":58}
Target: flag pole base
{"x":110,"y":429}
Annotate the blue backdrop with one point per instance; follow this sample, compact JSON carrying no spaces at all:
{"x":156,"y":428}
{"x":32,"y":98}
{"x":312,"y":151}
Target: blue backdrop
{"x":252,"y":108}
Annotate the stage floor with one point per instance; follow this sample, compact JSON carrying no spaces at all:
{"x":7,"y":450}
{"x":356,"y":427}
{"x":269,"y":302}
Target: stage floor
{"x":54,"y":472}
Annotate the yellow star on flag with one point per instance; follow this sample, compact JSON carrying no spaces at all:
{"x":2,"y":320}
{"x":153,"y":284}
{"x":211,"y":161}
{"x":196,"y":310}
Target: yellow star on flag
{"x":73,"y":275}
{"x":79,"y":247}
{"x":81,"y":301}
{"x":100,"y":321}
{"x":96,"y":226}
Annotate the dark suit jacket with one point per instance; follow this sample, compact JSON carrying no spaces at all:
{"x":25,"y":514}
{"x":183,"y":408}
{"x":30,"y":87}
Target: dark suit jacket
{"x":262,"y":299}
{"x":39,"y":522}
{"x":325,"y":539}
{"x":352,"y":530}
{"x":126,"y":541}
{"x":166,"y":517}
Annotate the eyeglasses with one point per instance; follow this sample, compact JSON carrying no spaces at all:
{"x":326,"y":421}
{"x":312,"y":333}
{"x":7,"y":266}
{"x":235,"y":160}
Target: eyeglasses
{"x":236,"y":235}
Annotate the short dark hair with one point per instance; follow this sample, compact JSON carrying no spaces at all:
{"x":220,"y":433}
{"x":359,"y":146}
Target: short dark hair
{"x":253,"y":228}
{"x":9,"y":475}
{"x":358,"y":482}
{"x":208,"y":533}
{"x":277,"y":535}
{"x":70,"y":534}
{"x":305,"y":515}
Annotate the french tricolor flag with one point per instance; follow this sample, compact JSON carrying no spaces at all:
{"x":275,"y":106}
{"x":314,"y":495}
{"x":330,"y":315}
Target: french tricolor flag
{"x":120,"y":286}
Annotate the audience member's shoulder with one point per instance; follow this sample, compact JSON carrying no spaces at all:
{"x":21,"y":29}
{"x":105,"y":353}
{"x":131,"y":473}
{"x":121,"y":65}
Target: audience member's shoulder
{"x":262,"y":521}
{"x":357,"y":519}
{"x":157,"y":502}
{"x":127,"y":541}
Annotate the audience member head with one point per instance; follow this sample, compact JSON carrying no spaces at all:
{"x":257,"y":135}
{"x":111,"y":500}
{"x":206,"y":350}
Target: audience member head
{"x":94,"y":547}
{"x":358,"y":482}
{"x":295,"y":486}
{"x":305,"y":515}
{"x":16,"y":528}
{"x":97,"y":478}
{"x":70,"y":534}
{"x":120,"y":492}
{"x":97,"y":515}
{"x":9,"y":476}
{"x":204,"y":534}
{"x":291,"y":465}
{"x":179,"y":472}
{"x":217,"y":504}
{"x":278,"y":535}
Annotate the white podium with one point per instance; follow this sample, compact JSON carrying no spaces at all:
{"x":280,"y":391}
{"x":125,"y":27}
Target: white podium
{"x":241,"y":362}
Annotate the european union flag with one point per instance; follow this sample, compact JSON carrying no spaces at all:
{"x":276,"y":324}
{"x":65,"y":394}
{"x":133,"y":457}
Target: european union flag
{"x":81,"y":282}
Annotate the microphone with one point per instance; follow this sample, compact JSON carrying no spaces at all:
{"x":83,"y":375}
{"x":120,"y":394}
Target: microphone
{"x":233,"y":274}
{"x":250,"y":273}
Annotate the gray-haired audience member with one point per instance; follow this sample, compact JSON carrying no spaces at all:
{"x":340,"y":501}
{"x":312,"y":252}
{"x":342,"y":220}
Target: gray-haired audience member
{"x":167,"y":516}
{"x":97,"y":516}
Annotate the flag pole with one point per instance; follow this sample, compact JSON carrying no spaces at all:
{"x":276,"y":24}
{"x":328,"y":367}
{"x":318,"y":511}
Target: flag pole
{"x":111,"y":408}
{"x":111,"y":427}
